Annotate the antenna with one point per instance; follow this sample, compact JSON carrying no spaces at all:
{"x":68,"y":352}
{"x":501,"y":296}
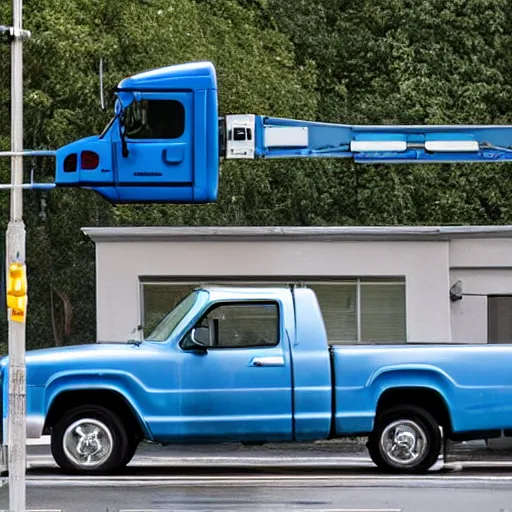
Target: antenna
{"x":102,"y":98}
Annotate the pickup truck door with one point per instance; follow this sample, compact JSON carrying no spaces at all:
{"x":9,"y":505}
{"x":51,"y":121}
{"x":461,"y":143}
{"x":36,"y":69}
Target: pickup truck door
{"x":240,"y":389}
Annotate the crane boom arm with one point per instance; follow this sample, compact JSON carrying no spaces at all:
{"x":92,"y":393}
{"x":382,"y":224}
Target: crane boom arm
{"x":250,"y":136}
{"x":166,"y":141}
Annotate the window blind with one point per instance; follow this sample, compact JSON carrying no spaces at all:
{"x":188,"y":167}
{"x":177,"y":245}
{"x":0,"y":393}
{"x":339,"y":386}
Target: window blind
{"x":382,"y":313}
{"x":338,"y":303}
{"x":159,"y":299}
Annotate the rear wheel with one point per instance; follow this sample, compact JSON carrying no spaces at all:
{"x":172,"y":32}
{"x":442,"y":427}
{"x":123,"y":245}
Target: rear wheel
{"x":90,"y":439}
{"x":406,"y":439}
{"x":133,"y":444}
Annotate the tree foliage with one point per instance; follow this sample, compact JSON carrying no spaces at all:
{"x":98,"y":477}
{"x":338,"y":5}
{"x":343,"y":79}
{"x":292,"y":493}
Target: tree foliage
{"x":352,"y":61}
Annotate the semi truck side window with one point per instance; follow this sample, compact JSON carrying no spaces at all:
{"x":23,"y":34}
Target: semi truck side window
{"x":243,"y":325}
{"x":155,"y":119}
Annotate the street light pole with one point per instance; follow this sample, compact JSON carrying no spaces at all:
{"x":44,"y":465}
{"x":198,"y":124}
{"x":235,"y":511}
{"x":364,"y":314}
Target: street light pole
{"x":15,"y":251}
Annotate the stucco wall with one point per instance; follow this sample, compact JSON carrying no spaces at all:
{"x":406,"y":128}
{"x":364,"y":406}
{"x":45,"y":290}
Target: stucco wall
{"x":481,"y":253}
{"x":423,"y":264}
{"x":485,"y":268}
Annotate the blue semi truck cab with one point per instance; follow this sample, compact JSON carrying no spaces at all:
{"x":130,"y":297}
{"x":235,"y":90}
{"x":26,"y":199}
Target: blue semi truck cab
{"x":254,"y":365}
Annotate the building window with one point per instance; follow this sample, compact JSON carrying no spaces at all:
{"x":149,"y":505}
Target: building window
{"x":158,"y":300}
{"x":354,"y":310}
{"x":499,"y":319}
{"x":338,"y":303}
{"x":363,"y":311}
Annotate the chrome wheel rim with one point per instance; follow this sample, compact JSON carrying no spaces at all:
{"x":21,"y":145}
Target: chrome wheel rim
{"x":403,"y":443}
{"x":87,"y":443}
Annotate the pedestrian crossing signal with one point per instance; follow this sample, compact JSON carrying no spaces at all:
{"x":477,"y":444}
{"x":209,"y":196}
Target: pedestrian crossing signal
{"x":17,"y":291}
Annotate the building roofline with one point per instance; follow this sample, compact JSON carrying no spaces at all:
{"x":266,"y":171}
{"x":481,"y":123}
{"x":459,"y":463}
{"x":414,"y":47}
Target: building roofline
{"x":319,"y":233}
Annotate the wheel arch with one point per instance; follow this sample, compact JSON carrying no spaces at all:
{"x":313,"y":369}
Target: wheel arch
{"x":64,"y":399}
{"x":427,"y":398}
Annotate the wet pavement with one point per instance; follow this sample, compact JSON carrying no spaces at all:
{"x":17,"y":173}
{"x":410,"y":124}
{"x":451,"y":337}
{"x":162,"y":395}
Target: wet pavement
{"x":282,"y":478}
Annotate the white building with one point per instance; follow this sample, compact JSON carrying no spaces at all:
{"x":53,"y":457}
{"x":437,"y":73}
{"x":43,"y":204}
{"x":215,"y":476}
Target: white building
{"x":374,"y":284}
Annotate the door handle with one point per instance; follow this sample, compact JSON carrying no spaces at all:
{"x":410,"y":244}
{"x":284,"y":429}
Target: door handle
{"x":267,"y":361}
{"x":174,"y":154}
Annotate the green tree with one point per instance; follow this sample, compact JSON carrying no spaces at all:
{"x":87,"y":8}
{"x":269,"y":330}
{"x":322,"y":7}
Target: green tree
{"x":414,"y":62}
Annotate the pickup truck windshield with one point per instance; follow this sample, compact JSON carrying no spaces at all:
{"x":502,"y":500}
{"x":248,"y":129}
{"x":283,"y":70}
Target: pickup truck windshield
{"x":169,"y":322}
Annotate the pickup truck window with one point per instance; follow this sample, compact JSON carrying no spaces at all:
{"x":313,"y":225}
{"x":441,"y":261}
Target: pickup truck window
{"x":241,"y":325}
{"x":167,"y":325}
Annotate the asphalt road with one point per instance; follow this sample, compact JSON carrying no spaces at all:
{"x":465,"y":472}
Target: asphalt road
{"x":271,"y":491}
{"x":238,"y":481}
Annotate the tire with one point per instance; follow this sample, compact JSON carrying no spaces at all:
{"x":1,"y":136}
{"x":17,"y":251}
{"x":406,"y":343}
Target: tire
{"x":417,"y":423}
{"x":133,"y":444}
{"x":75,"y":431}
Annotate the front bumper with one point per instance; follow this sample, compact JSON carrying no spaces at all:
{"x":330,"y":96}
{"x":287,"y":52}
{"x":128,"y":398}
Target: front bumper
{"x":34,"y":428}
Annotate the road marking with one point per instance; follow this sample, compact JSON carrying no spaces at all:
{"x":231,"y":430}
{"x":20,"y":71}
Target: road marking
{"x":294,"y":510}
{"x":484,"y":464}
{"x":272,"y":478}
{"x":147,"y":459}
{"x":231,"y":462}
{"x":258,"y":480}
{"x":39,"y":441}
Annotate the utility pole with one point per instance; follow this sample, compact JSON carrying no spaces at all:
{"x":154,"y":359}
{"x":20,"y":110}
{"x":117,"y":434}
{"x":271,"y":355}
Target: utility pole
{"x":15,"y":252}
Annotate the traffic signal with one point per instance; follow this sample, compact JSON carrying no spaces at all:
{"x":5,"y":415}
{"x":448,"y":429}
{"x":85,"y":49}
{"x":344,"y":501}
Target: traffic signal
{"x":162,"y":145}
{"x":17,"y":291}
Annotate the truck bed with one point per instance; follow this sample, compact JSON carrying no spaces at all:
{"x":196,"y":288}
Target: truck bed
{"x":474,"y":381}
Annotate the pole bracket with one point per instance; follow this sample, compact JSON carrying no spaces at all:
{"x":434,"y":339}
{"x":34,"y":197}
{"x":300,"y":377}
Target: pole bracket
{"x":35,"y":152}
{"x":32,"y":185}
{"x":14,"y":33}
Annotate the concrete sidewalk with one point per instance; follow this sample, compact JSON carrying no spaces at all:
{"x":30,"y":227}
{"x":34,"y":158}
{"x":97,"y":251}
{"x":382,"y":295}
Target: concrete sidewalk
{"x":494,"y":450}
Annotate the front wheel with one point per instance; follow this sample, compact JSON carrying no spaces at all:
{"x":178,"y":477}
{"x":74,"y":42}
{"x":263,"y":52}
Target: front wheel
{"x":90,"y":439}
{"x":406,"y":439}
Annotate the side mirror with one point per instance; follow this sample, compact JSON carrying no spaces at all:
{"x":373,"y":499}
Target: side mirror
{"x":192,"y":342}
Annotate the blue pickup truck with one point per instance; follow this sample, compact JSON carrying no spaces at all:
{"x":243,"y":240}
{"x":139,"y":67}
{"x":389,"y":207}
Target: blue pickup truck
{"x":254,"y":366}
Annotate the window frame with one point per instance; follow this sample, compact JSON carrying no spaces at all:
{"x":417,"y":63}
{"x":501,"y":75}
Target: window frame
{"x":220,"y":303}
